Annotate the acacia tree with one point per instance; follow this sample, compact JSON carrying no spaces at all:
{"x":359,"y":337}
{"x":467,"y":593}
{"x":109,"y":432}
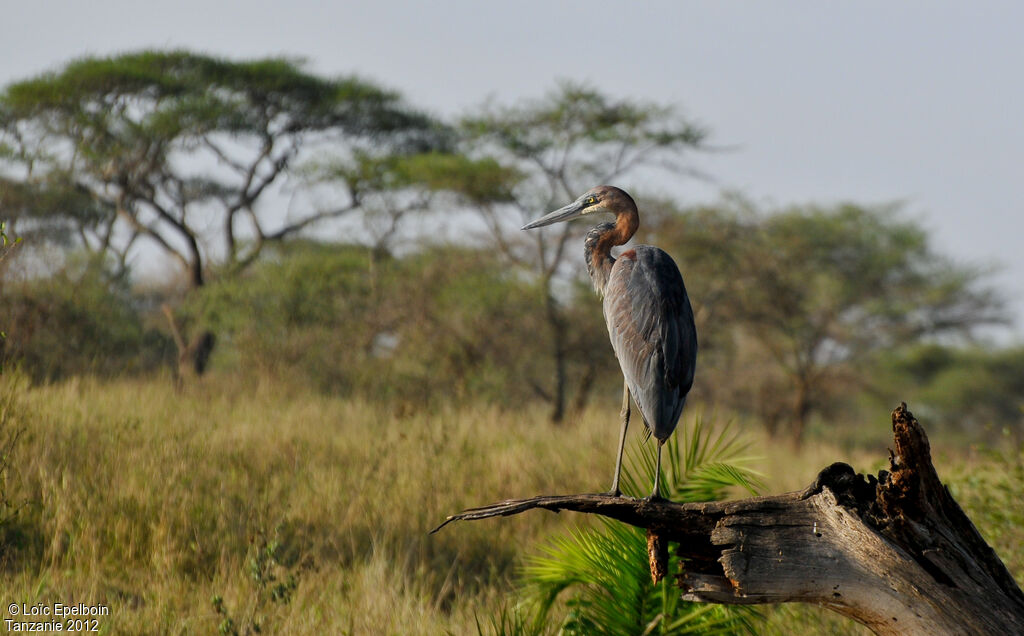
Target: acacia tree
{"x":800,"y":299}
{"x":183,"y":149}
{"x":552,"y":150}
{"x":55,"y":212}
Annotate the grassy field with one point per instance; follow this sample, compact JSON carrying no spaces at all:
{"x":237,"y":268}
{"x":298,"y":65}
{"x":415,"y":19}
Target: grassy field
{"x":223,"y":506}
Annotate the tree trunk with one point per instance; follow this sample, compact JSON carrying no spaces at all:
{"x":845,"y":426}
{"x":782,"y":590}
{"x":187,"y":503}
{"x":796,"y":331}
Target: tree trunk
{"x":558,"y":332}
{"x":194,"y":359}
{"x":194,"y":356}
{"x":894,"y":552}
{"x":801,"y":411}
{"x":586,"y":385}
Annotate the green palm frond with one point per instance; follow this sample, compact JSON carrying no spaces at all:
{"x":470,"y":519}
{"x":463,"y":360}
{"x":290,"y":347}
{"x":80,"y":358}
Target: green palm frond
{"x":700,"y":464}
{"x":511,"y":620}
{"x":712,"y":481}
{"x":607,"y":567}
{"x":605,"y":570}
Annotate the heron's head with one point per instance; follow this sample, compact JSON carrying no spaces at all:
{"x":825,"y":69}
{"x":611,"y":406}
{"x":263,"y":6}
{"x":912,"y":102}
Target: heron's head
{"x":600,"y":199}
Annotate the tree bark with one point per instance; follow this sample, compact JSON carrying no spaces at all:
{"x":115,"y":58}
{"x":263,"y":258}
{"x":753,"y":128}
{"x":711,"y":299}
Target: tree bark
{"x":558,"y":331}
{"x":894,"y":552}
{"x":194,"y":356}
{"x":801,"y":411}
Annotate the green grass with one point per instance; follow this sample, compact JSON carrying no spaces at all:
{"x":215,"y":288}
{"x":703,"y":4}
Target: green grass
{"x":308,"y":514}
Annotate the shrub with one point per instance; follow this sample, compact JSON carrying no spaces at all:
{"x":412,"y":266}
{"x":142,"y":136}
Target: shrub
{"x":81,"y":320}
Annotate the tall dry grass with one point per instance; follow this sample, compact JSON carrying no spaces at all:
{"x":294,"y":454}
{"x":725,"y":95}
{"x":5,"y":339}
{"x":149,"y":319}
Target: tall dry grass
{"x":302,"y":513}
{"x":153,"y":501}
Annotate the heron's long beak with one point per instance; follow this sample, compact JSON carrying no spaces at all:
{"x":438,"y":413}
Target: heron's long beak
{"x":570,"y":211}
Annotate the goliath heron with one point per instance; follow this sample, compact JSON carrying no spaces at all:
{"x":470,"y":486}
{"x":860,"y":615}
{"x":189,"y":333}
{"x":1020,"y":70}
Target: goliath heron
{"x":648,"y":314}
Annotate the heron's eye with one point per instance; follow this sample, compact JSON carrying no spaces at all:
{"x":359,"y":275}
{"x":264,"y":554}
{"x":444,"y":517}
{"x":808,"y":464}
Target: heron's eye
{"x":591,"y":200}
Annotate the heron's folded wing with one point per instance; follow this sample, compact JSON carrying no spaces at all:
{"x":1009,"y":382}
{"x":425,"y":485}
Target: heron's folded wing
{"x":650,"y":324}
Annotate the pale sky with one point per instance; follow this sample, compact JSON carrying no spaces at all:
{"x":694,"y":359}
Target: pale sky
{"x":871,"y":102}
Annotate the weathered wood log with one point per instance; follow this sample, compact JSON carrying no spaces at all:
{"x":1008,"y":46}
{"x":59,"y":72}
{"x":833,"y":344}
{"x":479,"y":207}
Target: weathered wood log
{"x":894,"y":552}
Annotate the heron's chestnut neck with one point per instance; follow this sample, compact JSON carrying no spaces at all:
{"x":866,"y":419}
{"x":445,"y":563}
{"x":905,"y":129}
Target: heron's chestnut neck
{"x":597,"y":247}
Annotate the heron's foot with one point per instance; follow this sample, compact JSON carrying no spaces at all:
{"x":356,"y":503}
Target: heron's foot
{"x":655,"y":497}
{"x":614,"y":492}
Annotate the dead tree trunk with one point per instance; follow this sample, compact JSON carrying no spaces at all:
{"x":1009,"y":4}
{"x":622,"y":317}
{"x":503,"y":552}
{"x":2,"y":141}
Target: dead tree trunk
{"x":194,"y":356}
{"x":894,"y":552}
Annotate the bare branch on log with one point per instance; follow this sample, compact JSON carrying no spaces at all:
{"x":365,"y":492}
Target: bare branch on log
{"x":894,"y":552}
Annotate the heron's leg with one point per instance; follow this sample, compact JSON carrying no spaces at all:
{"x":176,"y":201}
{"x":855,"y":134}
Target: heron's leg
{"x":657,"y":474}
{"x":624,"y":414}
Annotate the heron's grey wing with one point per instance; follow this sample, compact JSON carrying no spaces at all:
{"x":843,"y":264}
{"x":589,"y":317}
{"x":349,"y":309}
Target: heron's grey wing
{"x":650,"y":323}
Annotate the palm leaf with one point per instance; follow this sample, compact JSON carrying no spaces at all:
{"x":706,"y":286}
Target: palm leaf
{"x":699,"y":463}
{"x":604,"y":570}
